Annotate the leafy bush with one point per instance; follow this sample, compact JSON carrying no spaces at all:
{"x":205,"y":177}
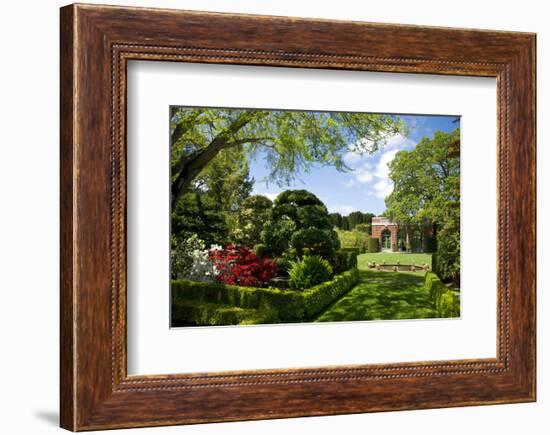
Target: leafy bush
{"x":199,"y":213}
{"x":249,"y":220}
{"x":283,"y":266}
{"x":374,"y":244}
{"x":448,"y":253}
{"x":309,"y":271}
{"x":316,"y":241}
{"x":285,"y":305}
{"x":445,"y":299}
{"x":262,"y":250}
{"x":240,"y":265}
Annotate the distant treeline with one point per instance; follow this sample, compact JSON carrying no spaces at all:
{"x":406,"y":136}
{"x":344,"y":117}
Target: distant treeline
{"x":352,"y":220}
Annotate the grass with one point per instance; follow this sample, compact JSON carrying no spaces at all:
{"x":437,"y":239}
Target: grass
{"x":392,"y":258}
{"x":384,"y":295}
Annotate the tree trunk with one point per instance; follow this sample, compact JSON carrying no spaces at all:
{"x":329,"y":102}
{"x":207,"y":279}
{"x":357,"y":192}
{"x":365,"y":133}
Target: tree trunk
{"x":190,"y":166}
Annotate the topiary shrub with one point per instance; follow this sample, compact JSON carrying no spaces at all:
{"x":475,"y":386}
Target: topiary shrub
{"x":308,"y":272}
{"x":315,"y":241}
{"x":276,"y":235}
{"x":299,"y":221}
{"x":374,"y":244}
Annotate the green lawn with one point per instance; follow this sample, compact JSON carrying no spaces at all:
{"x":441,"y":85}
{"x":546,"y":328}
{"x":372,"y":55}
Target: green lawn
{"x":384,"y":295}
{"x":392,"y":258}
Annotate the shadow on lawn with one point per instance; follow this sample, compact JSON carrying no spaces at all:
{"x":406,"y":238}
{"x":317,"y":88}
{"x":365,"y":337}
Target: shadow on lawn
{"x":382,"y":296}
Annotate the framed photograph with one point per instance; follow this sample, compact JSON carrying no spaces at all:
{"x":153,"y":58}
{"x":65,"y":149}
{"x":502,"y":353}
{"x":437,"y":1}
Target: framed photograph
{"x":266,"y":217}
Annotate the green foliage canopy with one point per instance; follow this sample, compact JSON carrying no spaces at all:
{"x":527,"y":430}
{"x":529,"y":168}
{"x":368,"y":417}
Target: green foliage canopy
{"x":426,"y":180}
{"x":292,"y":140}
{"x":427,"y":188}
{"x":250,"y":218}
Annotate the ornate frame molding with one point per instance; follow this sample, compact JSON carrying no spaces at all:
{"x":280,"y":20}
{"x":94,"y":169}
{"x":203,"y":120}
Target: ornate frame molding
{"x":97,"y":42}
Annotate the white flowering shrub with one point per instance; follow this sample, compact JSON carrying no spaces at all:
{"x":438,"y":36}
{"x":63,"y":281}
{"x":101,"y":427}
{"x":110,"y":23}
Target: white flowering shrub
{"x":203,"y":268}
{"x":190,"y":260}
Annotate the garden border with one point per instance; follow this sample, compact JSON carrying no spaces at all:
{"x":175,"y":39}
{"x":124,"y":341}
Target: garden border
{"x":96,"y":43}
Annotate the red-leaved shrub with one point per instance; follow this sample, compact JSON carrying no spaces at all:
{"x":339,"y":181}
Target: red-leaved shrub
{"x":239,"y":265}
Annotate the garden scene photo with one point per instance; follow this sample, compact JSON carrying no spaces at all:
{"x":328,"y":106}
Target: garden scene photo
{"x":281,"y":216}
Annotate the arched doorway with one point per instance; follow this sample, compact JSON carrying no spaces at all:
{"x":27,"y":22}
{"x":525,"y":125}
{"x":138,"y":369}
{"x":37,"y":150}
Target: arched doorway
{"x":385,"y":240}
{"x":401,"y":240}
{"x":417,"y":240}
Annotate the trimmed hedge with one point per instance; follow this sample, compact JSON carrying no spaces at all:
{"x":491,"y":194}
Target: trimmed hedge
{"x":286,"y":303}
{"x":317,"y":298}
{"x":344,"y":259}
{"x":201,"y":313}
{"x":446,"y":300}
{"x":374,"y":244}
{"x":206,"y":303}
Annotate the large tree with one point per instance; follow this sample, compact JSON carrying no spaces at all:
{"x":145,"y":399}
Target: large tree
{"x":427,"y":188}
{"x":426,"y":180}
{"x":292,"y":140}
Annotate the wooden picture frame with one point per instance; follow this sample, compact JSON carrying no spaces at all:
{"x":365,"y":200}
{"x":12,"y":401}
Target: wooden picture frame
{"x":96,"y":43}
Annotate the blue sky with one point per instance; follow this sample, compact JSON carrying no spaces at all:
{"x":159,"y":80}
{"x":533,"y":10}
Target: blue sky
{"x":365,"y":187}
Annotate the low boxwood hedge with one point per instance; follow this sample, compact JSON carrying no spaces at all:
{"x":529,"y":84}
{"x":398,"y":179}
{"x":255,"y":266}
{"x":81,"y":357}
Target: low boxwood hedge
{"x":446,"y":300}
{"x":286,"y":303}
{"x":204,"y":313}
{"x":209,"y":303}
{"x":317,"y":298}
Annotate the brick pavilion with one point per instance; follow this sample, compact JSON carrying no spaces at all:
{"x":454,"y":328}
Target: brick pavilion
{"x":394,"y":237}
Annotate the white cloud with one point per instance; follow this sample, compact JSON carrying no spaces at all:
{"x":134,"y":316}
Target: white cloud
{"x":351,"y":157}
{"x":270,"y":195}
{"x":398,"y":141}
{"x":383,"y":188}
{"x":365,"y":170}
{"x":382,"y":168}
{"x":373,"y":170}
